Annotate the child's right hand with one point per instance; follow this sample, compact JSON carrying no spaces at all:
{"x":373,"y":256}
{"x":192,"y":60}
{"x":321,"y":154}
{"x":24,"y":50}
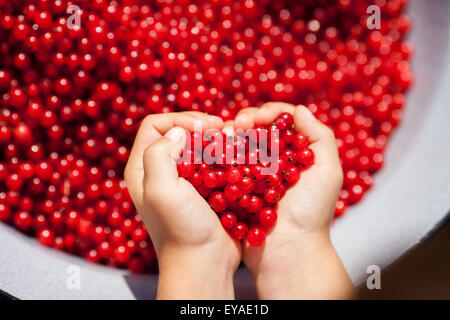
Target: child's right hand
{"x":297,"y":259}
{"x":196,"y":256}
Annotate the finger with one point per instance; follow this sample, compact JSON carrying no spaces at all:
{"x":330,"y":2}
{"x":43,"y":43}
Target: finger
{"x":161,"y":123}
{"x":151,"y":129}
{"x":321,"y":137}
{"x":244,"y":118}
{"x":155,"y":126}
{"x":270,"y":111}
{"x":214,"y":121}
{"x":160,"y":158}
{"x":228,"y":123}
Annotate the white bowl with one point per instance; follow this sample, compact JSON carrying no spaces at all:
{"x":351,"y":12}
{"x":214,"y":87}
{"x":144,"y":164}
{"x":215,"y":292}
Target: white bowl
{"x":410,"y":198}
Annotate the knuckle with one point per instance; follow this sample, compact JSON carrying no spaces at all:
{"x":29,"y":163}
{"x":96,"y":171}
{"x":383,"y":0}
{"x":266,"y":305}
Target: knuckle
{"x":267,"y":105}
{"x":150,"y":151}
{"x":194,"y":114}
{"x":247,"y":110}
{"x":279,"y":105}
{"x":148,"y":119}
{"x":271,"y":105}
{"x":242,"y":111}
{"x":151,"y":119}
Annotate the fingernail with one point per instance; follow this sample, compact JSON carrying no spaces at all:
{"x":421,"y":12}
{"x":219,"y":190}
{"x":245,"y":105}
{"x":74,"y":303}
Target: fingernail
{"x":241,"y":118}
{"x":176,"y":134}
{"x":228,"y":130}
{"x":306,"y":112}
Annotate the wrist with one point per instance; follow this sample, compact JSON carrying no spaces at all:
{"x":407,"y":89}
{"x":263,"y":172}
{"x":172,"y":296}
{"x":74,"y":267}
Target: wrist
{"x":308,"y":268}
{"x":297,"y":247}
{"x":194,"y":273}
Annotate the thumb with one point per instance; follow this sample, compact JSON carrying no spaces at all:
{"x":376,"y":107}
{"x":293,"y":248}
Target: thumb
{"x":160,"y":157}
{"x":320,"y":136}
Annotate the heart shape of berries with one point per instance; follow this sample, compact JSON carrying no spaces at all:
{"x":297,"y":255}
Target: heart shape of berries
{"x":72,"y":96}
{"x":245,"y":175}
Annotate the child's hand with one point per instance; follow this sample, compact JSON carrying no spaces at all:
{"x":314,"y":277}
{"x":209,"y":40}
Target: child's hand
{"x":197,"y":258}
{"x":297,"y":259}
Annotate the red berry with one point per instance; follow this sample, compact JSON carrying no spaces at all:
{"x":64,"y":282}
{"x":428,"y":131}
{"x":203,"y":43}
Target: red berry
{"x":273,"y":180}
{"x":46,"y":237}
{"x":300,"y":141}
{"x":292,"y":174}
{"x":185,"y":169}
{"x":232,"y":192}
{"x":288,"y":136}
{"x":247,"y":185}
{"x":5,"y":134}
{"x":255,"y":204}
{"x":256,"y":236}
{"x":244,"y":200}
{"x":92,"y":256}
{"x":284,"y":121}
{"x":234,"y":175}
{"x":121,"y":254}
{"x":271,"y":195}
{"x":217,"y":201}
{"x":289,"y":156}
{"x":305,"y":157}
{"x":196,"y":179}
{"x":239,"y":231}
{"x":14,"y":182}
{"x":136,"y":265}
{"x":267,"y":217}
{"x":105,"y":250}
{"x":69,"y":241}
{"x":356,"y":193}
{"x":340,"y":208}
{"x":228,"y":220}
{"x":5,"y":212}
{"x":23,"y":134}
{"x":210,"y":179}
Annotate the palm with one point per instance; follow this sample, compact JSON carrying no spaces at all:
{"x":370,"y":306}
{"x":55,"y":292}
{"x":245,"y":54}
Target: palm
{"x":297,"y":209}
{"x":200,"y":223}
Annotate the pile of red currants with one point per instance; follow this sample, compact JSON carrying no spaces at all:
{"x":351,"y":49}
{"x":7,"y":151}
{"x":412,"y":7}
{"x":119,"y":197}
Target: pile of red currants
{"x":72,"y":97}
{"x":245,"y":175}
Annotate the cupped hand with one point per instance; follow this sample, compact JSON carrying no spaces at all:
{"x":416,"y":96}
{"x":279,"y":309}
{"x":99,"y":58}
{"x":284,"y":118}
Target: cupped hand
{"x":298,"y":246}
{"x":187,"y":235}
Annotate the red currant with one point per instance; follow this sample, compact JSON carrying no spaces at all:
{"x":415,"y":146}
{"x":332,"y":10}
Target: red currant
{"x":239,"y":231}
{"x":228,"y":220}
{"x":256,"y":236}
{"x":267,"y":217}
